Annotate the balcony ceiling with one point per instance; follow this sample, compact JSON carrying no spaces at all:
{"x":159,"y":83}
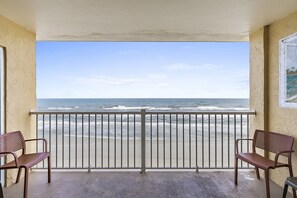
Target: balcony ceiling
{"x":147,"y":20}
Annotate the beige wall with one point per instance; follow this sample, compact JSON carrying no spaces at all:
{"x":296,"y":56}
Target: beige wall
{"x":20,"y":78}
{"x":257,"y":92}
{"x":276,"y":119}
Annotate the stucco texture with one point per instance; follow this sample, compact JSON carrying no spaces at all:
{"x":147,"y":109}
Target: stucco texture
{"x":282,"y":120}
{"x":257,"y":79}
{"x":20,"y":86}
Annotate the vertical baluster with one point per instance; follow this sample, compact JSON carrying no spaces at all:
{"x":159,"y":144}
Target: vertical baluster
{"x":143,"y":147}
{"x":164,"y":151}
{"x":43,"y":137}
{"x":241,"y":146}
{"x":82,"y":139}
{"x":63,"y":141}
{"x":89,"y":141}
{"x":196,"y":140}
{"x":234,"y":132}
{"x":209,"y":164}
{"x":95,"y":140}
{"x":108,"y":138}
{"x":50,"y":132}
{"x":170,"y":141}
{"x":102,"y":115}
{"x":128,"y":137}
{"x":134,"y":140}
{"x":248,"y":135}
{"x":157,"y":140}
{"x":151,"y":147}
{"x":176,"y":128}
{"x":56,"y":140}
{"x":76,"y":140}
{"x":69,"y":130}
{"x":228,"y":141}
{"x":202,"y":126}
{"x":37,"y":131}
{"x":190,"y":143}
{"x":115,"y":140}
{"x":216,"y":154}
{"x":183,"y":140}
{"x":222,"y":139}
{"x":121,"y":140}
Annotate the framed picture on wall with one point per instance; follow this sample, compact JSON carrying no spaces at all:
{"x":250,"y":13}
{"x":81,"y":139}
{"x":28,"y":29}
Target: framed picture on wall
{"x":288,"y":72}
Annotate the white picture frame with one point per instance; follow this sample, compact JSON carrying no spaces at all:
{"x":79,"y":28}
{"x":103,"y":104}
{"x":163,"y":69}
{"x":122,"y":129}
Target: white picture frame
{"x":288,"y":72}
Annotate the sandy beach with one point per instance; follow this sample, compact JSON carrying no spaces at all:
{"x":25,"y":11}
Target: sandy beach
{"x":113,"y":153}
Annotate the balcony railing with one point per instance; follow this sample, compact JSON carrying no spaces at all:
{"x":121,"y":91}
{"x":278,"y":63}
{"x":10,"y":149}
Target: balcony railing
{"x":143,"y":139}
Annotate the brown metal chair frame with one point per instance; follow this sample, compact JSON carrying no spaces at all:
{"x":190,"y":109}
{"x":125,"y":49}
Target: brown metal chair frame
{"x":269,"y":142}
{"x":14,"y":141}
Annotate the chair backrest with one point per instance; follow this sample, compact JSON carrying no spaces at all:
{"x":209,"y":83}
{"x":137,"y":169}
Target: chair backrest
{"x":12,"y":142}
{"x":273,"y":142}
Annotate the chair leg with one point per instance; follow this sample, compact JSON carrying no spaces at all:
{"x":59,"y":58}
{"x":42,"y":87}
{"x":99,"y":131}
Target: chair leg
{"x":257,"y":172}
{"x":235,"y":170}
{"x":19,"y":175}
{"x":291,"y":175}
{"x":267,"y":183}
{"x":49,"y":169}
{"x":285,"y":191}
{"x":26,"y":183}
{"x":1,"y":191}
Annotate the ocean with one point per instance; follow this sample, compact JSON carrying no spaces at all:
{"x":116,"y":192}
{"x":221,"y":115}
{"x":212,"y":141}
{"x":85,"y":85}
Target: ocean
{"x":134,"y":104}
{"x":116,"y":123}
{"x":104,"y":139}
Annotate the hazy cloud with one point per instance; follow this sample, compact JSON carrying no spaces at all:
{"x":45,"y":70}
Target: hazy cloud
{"x":107,"y":80}
{"x":178,"y":66}
{"x":185,"y":66}
{"x":158,"y":76}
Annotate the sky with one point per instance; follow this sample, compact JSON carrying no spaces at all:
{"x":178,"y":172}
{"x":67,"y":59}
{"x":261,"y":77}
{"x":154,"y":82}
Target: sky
{"x":142,"y":69}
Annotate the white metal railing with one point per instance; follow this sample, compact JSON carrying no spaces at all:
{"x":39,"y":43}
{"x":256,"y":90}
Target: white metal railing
{"x":142,"y":139}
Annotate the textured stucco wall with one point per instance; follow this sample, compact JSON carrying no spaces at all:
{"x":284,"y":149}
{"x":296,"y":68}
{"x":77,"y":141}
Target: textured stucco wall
{"x":282,"y":120}
{"x":20,"y":79}
{"x":257,"y":79}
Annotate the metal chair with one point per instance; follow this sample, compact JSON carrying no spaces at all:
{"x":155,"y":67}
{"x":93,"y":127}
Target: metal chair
{"x":14,"y":141}
{"x":290,"y":181}
{"x":279,"y":144}
{"x":1,"y":191}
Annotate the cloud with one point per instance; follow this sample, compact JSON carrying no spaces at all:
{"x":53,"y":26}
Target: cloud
{"x":157,"y":76}
{"x":185,"y":66}
{"x":178,"y":66}
{"x":107,"y":80}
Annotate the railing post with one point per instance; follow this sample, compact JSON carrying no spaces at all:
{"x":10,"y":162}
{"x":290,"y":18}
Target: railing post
{"x":142,"y":141}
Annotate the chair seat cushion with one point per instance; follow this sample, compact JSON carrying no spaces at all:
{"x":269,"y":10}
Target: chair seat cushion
{"x":27,"y":160}
{"x":258,"y":160}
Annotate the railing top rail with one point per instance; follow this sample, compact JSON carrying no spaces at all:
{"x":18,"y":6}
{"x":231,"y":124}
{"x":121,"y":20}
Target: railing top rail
{"x":249,"y":112}
{"x":83,"y":112}
{"x":203,"y":112}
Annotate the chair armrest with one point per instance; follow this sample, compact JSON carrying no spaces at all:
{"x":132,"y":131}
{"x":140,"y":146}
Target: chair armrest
{"x":278,"y":154}
{"x":13,"y":154}
{"x":238,"y":140}
{"x":44,"y":140}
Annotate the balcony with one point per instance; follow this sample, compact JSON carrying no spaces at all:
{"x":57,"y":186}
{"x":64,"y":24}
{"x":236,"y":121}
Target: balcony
{"x":176,"y":150}
{"x":185,"y":143}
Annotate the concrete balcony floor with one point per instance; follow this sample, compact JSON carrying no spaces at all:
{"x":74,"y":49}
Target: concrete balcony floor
{"x":150,"y":184}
